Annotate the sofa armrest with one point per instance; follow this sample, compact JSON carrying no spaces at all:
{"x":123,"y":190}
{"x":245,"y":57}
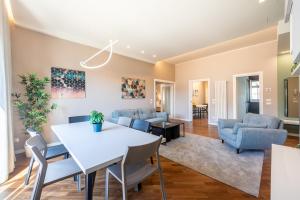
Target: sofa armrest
{"x":260,"y":138}
{"x":227,"y":123}
{"x":163,"y":115}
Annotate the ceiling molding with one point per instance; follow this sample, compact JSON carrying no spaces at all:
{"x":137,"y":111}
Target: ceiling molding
{"x":266,"y":35}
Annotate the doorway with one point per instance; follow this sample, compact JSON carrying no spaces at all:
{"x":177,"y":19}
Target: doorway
{"x":164,"y":95}
{"x":247,"y":94}
{"x":199,"y":94}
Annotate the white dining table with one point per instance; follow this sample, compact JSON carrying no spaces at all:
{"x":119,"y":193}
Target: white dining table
{"x":93,"y":151}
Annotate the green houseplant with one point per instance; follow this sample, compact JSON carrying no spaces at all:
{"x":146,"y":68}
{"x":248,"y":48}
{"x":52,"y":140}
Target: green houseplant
{"x":33,"y":106}
{"x":97,"y":118}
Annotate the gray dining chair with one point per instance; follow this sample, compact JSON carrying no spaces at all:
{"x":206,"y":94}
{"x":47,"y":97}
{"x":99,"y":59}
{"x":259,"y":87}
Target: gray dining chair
{"x":135,"y":167}
{"x":77,"y":119}
{"x":124,"y":121}
{"x":52,"y":152}
{"x":49,"y":173}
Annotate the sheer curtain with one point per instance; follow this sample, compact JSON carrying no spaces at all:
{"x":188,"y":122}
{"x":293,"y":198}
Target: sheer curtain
{"x":6,"y":137}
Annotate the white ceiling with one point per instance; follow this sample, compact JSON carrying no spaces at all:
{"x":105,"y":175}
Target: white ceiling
{"x":163,"y":27}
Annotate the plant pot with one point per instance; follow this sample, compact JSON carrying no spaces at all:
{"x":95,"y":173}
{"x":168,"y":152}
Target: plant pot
{"x":97,"y":127}
{"x":27,"y":152}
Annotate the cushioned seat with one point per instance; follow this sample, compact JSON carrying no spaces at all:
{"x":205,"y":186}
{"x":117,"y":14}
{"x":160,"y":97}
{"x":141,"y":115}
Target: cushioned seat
{"x":147,"y":114}
{"x":61,"y":168}
{"x":253,"y":132}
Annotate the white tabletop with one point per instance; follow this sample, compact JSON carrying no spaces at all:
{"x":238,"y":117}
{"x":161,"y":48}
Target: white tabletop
{"x":93,"y":151}
{"x":285,"y":173}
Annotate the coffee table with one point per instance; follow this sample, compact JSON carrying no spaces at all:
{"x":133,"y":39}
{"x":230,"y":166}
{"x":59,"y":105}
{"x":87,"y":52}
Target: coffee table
{"x":168,"y":130}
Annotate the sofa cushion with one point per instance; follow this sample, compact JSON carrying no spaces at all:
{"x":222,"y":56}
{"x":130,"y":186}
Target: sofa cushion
{"x":155,"y":120}
{"x":246,"y":125}
{"x":269,"y":121}
{"x":227,"y":133}
{"x":131,"y":113}
{"x":146,"y":113}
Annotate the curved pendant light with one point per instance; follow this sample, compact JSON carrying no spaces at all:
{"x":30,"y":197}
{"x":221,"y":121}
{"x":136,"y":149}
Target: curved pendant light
{"x":109,"y":46}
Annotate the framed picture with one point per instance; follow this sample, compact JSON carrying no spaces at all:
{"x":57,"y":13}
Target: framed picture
{"x":133,"y":88}
{"x":67,"y":83}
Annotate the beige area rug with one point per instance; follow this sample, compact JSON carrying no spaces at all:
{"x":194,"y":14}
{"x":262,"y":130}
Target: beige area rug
{"x":216,"y":160}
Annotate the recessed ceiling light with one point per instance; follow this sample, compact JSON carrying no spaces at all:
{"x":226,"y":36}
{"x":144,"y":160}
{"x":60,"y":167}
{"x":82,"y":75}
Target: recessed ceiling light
{"x":128,"y":46}
{"x":261,"y":1}
{"x":142,"y":52}
{"x":154,"y":55}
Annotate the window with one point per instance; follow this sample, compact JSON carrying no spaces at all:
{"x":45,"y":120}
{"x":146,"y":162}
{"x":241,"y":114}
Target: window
{"x":254,"y":90}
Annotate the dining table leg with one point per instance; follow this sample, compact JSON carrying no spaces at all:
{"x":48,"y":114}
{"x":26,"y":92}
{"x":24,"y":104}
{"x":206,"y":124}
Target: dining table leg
{"x":89,"y":185}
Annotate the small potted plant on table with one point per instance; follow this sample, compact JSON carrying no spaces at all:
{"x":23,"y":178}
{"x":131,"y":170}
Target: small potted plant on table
{"x":97,"y":118}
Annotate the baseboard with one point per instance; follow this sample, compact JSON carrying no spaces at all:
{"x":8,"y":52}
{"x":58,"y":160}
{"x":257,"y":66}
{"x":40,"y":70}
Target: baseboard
{"x":19,"y":151}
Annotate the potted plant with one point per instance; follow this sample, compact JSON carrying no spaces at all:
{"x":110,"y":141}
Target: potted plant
{"x":33,"y":106}
{"x":97,"y":118}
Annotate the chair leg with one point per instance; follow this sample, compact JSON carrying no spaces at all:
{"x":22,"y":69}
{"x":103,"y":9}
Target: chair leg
{"x":79,"y":183}
{"x":238,"y":151}
{"x":106,"y":184}
{"x":162,"y":184}
{"x":222,"y":141}
{"x":29,"y":171}
{"x":124,"y":190}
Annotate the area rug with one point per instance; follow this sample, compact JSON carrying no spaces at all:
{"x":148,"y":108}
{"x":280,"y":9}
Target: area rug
{"x":216,"y":160}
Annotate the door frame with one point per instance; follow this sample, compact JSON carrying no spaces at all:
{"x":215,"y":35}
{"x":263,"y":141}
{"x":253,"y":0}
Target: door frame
{"x":261,"y":91}
{"x":190,"y":98}
{"x":172,"y":114}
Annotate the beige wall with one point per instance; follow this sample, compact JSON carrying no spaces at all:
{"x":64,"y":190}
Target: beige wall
{"x":36,"y":52}
{"x":260,"y":57}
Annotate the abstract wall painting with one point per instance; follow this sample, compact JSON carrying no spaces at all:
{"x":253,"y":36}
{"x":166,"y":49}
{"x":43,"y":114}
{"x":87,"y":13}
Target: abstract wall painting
{"x":67,"y":83}
{"x":133,"y":88}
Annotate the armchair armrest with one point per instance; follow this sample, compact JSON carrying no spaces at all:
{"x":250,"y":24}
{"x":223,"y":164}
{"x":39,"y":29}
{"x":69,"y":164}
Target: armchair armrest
{"x":227,"y":123}
{"x":260,"y":138}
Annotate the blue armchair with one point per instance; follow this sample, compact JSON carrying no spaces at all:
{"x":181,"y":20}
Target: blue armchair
{"x":252,"y":132}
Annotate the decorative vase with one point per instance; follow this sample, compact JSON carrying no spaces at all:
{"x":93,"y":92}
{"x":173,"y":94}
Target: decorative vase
{"x":97,"y":127}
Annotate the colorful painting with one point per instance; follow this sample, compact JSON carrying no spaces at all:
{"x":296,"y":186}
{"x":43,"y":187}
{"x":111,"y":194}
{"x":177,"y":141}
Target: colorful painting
{"x":67,"y":83}
{"x":133,"y":88}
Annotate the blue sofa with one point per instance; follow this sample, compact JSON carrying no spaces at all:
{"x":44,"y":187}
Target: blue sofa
{"x":147,"y":114}
{"x":252,"y":132}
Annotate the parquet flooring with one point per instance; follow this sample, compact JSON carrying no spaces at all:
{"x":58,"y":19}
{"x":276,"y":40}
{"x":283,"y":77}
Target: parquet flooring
{"x":181,"y":182}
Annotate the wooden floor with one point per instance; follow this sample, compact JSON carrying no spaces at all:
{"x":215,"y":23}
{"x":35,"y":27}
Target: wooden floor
{"x":181,"y":182}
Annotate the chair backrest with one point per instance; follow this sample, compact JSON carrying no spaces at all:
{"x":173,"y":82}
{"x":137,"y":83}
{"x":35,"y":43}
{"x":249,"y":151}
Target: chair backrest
{"x":36,"y":144}
{"x":140,"y":125}
{"x":141,"y":153}
{"x":124,"y":121}
{"x":76,"y":119}
{"x":31,"y":132}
